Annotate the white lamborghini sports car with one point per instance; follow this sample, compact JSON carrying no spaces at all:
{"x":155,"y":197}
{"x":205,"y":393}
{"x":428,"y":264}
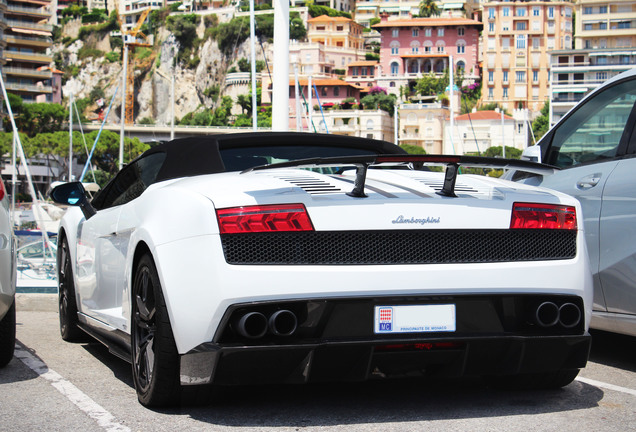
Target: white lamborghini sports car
{"x":294,"y":258}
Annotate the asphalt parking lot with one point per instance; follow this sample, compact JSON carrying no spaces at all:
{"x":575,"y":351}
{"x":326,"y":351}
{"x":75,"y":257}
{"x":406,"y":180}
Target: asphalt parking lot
{"x":51,"y":385}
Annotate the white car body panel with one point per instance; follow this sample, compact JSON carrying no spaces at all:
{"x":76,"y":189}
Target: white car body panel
{"x":197,"y":299}
{"x":364,"y":241}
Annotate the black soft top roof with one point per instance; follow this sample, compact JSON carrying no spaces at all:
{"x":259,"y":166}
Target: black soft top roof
{"x":193,"y":156}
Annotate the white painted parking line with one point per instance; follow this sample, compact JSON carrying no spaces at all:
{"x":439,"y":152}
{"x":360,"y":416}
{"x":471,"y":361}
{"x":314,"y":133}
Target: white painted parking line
{"x":607,"y":386}
{"x":104,"y":419}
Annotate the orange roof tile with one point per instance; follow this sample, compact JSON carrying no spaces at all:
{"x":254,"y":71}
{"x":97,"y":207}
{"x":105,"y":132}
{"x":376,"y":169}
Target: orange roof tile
{"x":328,"y":18}
{"x":363,"y":63}
{"x":483,"y":115}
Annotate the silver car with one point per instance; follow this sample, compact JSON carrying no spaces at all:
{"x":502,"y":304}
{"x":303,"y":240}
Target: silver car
{"x":7,"y":281}
{"x":594,"y":146}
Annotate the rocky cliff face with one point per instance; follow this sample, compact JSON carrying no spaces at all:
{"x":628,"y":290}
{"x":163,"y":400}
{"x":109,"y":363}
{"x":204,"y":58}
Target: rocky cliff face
{"x":152,"y":81}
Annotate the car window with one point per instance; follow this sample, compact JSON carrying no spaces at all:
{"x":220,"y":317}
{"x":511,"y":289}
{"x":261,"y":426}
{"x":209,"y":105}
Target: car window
{"x":593,"y":133}
{"x":131,"y":181}
{"x":238,"y":159}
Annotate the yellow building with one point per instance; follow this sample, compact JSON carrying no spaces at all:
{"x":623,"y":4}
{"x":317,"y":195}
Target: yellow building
{"x":517,"y":37}
{"x":605,"y":24}
{"x":335,"y":31}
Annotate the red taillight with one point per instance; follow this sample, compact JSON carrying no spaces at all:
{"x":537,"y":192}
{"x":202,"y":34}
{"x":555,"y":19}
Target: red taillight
{"x":2,"y":192}
{"x":543,"y":216}
{"x":269,"y":218}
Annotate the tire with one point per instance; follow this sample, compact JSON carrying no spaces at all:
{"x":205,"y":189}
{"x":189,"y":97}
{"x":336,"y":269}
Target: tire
{"x":535,"y":381}
{"x":7,"y":336}
{"x":155,"y":360}
{"x":67,"y":302}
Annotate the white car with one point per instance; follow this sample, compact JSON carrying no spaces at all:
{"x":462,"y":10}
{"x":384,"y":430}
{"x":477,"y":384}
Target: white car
{"x":295,"y":258}
{"x":7,"y":281}
{"x":594,"y":147}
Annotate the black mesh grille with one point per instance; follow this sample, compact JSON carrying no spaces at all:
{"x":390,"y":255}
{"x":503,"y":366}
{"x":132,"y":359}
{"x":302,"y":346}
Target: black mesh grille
{"x":399,"y":247}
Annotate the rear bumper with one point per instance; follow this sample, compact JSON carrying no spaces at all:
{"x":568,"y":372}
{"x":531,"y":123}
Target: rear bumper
{"x":359,"y":361}
{"x":335,"y":340}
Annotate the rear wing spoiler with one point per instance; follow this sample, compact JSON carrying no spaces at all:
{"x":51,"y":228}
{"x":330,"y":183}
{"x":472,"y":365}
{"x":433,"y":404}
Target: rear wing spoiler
{"x":451,"y":162}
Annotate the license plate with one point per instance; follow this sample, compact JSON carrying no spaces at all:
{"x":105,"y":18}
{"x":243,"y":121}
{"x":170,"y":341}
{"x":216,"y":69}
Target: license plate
{"x":415,"y":319}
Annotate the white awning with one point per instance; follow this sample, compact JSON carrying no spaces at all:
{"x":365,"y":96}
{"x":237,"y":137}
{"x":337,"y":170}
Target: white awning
{"x":603,"y":53}
{"x":570,"y":90}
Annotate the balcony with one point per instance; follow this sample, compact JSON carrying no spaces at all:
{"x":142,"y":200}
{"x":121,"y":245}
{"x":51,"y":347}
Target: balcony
{"x":36,"y":12}
{"x":28,"y":57}
{"x":29,"y":88}
{"x":29,"y":25}
{"x":16,"y":71}
{"x":43,"y":42}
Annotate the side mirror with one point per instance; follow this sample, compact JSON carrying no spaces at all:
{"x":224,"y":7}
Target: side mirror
{"x":73,"y":194}
{"x":532,"y":154}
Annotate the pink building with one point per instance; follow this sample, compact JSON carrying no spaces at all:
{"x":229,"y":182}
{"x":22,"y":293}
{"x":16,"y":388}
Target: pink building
{"x":414,"y":47}
{"x":331,"y":91}
{"x":362,"y":73}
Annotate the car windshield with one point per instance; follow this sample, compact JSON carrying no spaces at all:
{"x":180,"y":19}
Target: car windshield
{"x":238,"y":159}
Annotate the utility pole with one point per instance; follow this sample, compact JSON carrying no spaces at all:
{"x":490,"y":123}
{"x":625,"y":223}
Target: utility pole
{"x":280,"y":85}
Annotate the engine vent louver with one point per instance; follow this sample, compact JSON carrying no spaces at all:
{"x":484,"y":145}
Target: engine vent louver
{"x":311,"y":185}
{"x":459,"y":187}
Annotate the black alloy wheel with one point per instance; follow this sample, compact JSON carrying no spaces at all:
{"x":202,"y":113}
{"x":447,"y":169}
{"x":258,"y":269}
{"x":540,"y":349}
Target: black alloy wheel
{"x":7,"y":336}
{"x":69,"y":330}
{"x":155,"y":360}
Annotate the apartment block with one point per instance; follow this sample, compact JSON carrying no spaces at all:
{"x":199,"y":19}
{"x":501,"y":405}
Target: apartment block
{"x":605,"y":24}
{"x":333,"y":43}
{"x":27,"y":36}
{"x":416,"y":47}
{"x":517,"y":37}
{"x":574,"y":73}
{"x":335,"y":31}
{"x":366,"y":10}
{"x":422,"y":125}
{"x":605,"y":41}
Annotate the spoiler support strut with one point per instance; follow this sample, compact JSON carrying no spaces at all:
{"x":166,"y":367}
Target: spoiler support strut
{"x":452,"y":163}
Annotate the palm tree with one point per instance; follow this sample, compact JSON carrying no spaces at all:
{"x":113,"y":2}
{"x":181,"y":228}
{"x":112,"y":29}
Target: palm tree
{"x":428,"y":8}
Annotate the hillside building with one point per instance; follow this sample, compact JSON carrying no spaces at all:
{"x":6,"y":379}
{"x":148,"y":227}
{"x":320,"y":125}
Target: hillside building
{"x":27,"y":36}
{"x":517,"y":38}
{"x":605,"y":42}
{"x":416,"y":47}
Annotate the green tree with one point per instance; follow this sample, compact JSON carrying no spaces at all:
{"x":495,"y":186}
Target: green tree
{"x":222,"y":113}
{"x":245,"y":101}
{"x":297,"y":30}
{"x":231,"y":34}
{"x":184,"y":28}
{"x":380,"y":101}
{"x":492,"y":107}
{"x":427,"y":85}
{"x":541,"y":124}
{"x":413,"y":149}
{"x":318,"y":10}
{"x":428,"y":8}
{"x":244,"y":65}
{"x":106,"y":155}
{"x":511,"y":152}
{"x":38,"y":117}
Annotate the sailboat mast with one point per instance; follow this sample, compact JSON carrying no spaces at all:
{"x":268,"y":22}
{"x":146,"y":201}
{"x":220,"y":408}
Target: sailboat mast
{"x":70,"y":138}
{"x":280,"y":85}
{"x":123,"y":104}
